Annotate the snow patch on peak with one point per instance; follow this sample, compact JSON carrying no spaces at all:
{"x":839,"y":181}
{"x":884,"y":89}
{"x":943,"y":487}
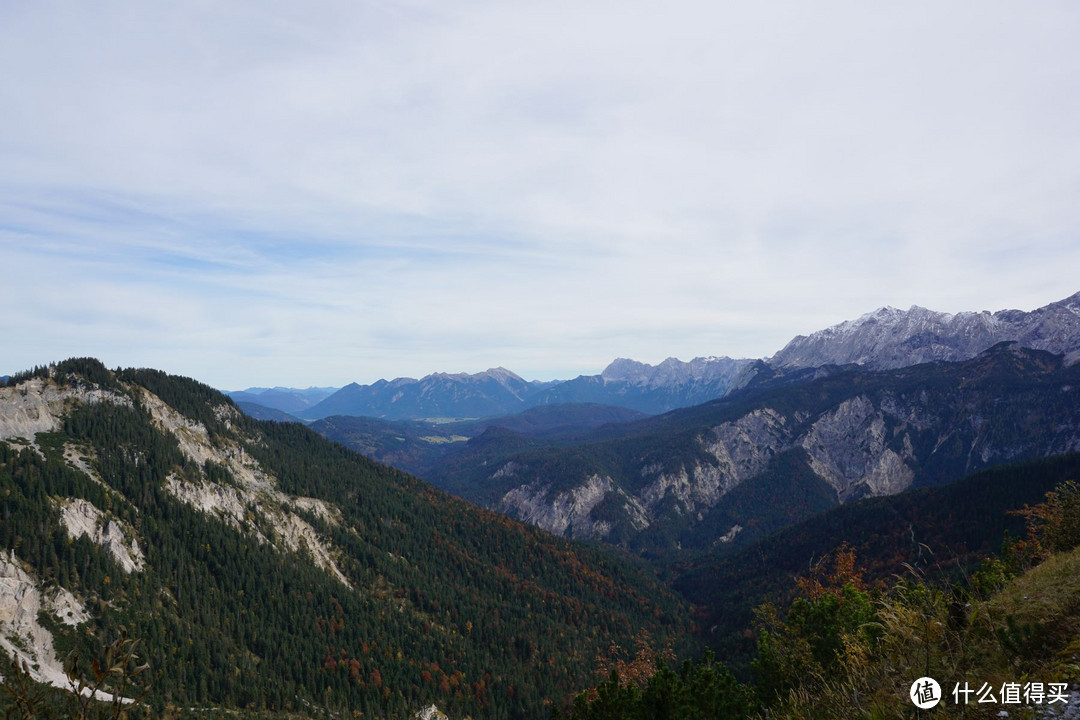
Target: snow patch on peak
{"x":671,"y":371}
{"x":889,"y":338}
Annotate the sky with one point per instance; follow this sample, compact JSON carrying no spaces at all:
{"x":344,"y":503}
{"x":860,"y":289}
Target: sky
{"x":276,"y":193}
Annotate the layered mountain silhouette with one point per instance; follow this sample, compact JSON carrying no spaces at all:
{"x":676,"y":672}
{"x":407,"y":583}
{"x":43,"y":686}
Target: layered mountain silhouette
{"x":884,"y":339}
{"x":733,"y":469}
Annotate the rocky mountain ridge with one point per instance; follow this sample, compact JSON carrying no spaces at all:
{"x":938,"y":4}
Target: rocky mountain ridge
{"x":40,"y":405}
{"x":651,"y":389}
{"x":884,"y":339}
{"x":889,"y":338}
{"x":500,"y":392}
{"x":754,"y":460}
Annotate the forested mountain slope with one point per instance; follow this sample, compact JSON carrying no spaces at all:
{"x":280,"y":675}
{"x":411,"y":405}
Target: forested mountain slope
{"x":416,"y":446}
{"x":941,"y":531}
{"x":261,"y":566}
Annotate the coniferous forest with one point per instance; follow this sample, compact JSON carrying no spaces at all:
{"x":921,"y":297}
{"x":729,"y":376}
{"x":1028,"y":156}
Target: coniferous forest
{"x":440,"y":602}
{"x":397,"y":597}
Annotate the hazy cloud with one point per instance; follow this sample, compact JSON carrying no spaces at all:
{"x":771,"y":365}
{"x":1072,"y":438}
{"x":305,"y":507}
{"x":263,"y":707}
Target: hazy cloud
{"x":265,"y":193}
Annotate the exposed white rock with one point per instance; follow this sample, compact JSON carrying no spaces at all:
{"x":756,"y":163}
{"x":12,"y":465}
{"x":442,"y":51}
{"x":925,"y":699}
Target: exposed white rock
{"x":914,"y":415}
{"x":20,"y":603}
{"x":431,"y":712}
{"x":222,"y":500}
{"x":66,"y":607}
{"x":505,"y":471}
{"x":82,"y":517}
{"x":321,"y":509}
{"x":701,"y":488}
{"x":75,"y":457}
{"x":847,"y":447}
{"x":194,"y":442}
{"x":730,"y":534}
{"x":238,"y":507}
{"x":635,"y":512}
{"x":227,"y":414}
{"x":298,"y":535}
{"x":254,"y":493}
{"x":21,"y":635}
{"x":742,"y":449}
{"x":37,"y":405}
{"x":569,"y":510}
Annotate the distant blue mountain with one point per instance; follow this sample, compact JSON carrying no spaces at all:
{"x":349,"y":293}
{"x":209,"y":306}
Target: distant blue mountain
{"x":262,"y":412}
{"x":287,"y":400}
{"x":497,"y":392}
{"x":651,"y":389}
{"x":441,"y":395}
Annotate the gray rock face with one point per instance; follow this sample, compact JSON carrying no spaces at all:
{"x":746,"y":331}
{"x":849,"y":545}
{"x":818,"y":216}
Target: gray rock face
{"x":22,"y":637}
{"x":648,"y":388}
{"x":673,"y":372}
{"x":568,"y":512}
{"x":699,"y":487}
{"x":38,"y":405}
{"x":889,"y":338}
{"x":743,"y":448}
{"x":846,"y":436}
{"x":847,"y":448}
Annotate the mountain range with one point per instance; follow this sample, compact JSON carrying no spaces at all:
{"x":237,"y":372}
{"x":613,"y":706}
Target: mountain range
{"x":264,"y":568}
{"x":440,"y":395}
{"x":679,"y":480}
{"x":651,"y":389}
{"x":885,"y":339}
{"x":731,"y":470}
{"x":499,"y":392}
{"x":286,"y":400}
{"x":889,"y":338}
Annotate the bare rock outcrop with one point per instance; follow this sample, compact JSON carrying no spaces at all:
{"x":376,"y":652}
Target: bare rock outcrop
{"x":22,"y":636}
{"x":82,"y":517}
{"x":848,"y":447}
{"x":565,"y":510}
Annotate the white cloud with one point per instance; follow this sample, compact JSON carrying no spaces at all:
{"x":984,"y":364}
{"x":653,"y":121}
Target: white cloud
{"x":263,"y":193}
